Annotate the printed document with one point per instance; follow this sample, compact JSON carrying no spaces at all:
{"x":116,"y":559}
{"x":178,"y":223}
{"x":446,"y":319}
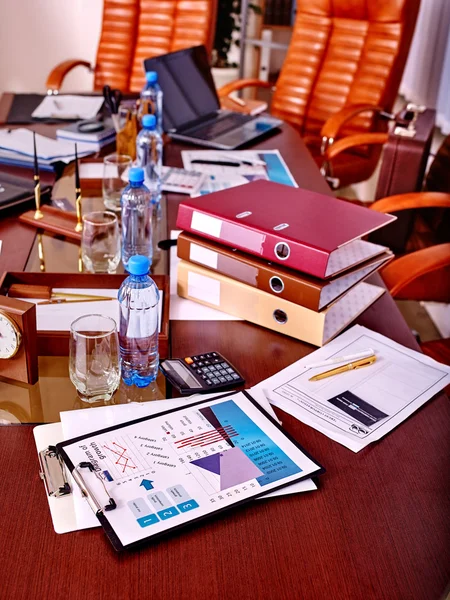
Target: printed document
{"x":359,"y":406}
{"x":226,"y":168}
{"x":80,"y":422}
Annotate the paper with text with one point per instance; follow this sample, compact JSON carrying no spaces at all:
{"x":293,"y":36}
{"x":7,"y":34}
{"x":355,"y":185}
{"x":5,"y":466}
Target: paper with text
{"x":171,"y":469}
{"x":360,"y":406}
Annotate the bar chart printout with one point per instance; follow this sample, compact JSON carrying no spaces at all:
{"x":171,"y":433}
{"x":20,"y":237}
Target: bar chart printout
{"x":169,"y":469}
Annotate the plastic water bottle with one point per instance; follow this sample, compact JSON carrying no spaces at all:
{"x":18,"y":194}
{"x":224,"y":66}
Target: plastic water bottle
{"x":149,"y":155}
{"x":137,"y":211}
{"x":152,"y":99}
{"x":149,"y":147}
{"x":139,"y":320}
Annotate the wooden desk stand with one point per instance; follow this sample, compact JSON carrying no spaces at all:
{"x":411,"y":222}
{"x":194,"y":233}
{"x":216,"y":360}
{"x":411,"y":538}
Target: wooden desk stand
{"x":54,"y":220}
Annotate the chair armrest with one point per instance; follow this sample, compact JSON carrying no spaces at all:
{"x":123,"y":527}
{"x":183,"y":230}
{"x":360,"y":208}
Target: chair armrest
{"x":351,"y":141}
{"x":240,"y":84}
{"x":404,"y":270}
{"x":412,"y":200}
{"x":331,"y":127}
{"x":56,"y":76}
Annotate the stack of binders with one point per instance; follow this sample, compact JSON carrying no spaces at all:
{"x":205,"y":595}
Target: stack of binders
{"x":283,"y":258}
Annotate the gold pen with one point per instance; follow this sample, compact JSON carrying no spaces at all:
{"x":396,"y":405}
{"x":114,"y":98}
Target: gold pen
{"x":73,"y":301}
{"x":357,"y":364}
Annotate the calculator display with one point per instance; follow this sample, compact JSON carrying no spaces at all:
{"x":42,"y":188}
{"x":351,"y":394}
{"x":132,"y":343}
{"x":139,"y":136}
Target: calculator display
{"x":201,"y":373}
{"x":184,"y":374}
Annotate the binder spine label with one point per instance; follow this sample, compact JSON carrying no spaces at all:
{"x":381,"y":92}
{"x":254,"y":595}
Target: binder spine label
{"x":203,"y":256}
{"x":204,"y":288}
{"x":206,"y":224}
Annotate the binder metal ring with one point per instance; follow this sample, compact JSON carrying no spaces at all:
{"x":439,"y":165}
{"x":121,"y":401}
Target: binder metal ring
{"x":95,"y":505}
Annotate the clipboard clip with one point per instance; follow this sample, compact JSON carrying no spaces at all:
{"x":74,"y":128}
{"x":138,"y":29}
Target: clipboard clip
{"x":53,"y":473}
{"x":86,"y":491}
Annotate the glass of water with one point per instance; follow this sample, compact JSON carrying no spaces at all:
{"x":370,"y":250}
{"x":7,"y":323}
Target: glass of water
{"x":100,"y":242}
{"x":115,"y":167}
{"x":94,"y":366}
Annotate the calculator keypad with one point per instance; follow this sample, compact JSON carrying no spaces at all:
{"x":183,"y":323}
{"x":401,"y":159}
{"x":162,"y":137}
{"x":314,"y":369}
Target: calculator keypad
{"x":213,"y":369}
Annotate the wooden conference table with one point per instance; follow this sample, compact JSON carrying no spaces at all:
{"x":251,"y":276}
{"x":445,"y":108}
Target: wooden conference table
{"x":377,"y":527}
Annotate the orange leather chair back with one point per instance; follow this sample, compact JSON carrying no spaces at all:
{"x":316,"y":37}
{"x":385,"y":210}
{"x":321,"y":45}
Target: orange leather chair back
{"x":343,"y":52}
{"x":137,"y":29}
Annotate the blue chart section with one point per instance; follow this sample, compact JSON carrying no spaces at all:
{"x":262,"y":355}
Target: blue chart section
{"x":265,"y":455}
{"x":276,"y":170}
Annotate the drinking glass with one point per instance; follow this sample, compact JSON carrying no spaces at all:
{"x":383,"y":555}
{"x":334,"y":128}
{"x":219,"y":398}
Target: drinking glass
{"x":100,"y":242}
{"x":94,"y":366}
{"x":114,"y":166}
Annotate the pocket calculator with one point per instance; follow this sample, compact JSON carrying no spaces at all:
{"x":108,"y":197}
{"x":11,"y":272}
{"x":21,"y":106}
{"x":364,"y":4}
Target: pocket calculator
{"x":208,"y":372}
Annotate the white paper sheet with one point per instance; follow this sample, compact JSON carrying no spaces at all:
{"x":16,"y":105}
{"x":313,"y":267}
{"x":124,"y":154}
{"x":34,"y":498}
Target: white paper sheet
{"x":186,"y":310}
{"x":58,"y":317}
{"x":267,"y":164}
{"x":68,"y":107}
{"x":395,"y":386}
{"x":20,"y":142}
{"x":80,"y":422}
{"x":91,"y":170}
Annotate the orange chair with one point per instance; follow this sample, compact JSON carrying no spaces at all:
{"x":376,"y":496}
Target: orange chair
{"x":133,"y":30}
{"x":343,"y":68}
{"x":425,"y":273}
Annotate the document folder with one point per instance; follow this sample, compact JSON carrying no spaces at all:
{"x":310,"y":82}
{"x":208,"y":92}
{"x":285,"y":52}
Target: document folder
{"x":310,"y":232}
{"x":310,"y":292}
{"x":249,"y":303}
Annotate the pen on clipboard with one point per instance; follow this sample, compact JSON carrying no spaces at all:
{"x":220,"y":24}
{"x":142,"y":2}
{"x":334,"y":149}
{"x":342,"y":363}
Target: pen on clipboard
{"x":357,"y":364}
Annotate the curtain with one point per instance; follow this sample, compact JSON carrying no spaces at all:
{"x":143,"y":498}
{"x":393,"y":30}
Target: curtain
{"x":426,"y":79}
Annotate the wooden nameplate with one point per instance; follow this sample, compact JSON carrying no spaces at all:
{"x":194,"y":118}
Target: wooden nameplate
{"x":55,"y":220}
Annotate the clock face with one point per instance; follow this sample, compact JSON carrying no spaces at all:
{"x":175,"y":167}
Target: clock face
{"x":10,"y":337}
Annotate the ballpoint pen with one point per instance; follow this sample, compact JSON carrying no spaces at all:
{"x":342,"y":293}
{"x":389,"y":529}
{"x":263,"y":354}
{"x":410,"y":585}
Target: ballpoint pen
{"x":79,"y":225}
{"x":357,"y":364}
{"x":37,"y":184}
{"x":245,"y":161}
{"x":339,"y":359}
{"x":73,"y":301}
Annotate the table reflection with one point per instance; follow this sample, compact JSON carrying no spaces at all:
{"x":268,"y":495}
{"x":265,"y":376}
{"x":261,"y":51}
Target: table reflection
{"x":54,"y":392}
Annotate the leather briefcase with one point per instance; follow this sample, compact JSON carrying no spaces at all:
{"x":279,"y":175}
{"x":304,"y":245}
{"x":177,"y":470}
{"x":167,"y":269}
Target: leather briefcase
{"x":403,"y":166}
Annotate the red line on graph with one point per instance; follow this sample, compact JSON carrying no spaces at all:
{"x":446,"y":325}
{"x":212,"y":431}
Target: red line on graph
{"x":208,"y":437}
{"x":119,"y":462}
{"x":205,"y":434}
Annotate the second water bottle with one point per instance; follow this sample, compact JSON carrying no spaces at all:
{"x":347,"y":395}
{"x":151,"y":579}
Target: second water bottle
{"x":137,"y":209}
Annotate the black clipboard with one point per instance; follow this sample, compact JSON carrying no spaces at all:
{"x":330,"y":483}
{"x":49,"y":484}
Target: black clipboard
{"x":101,"y":506}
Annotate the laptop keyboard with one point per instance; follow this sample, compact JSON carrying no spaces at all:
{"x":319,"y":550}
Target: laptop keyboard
{"x":213,"y":130}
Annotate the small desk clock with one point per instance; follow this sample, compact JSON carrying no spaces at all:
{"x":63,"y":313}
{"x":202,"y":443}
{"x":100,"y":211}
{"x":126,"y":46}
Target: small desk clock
{"x":18,"y":340}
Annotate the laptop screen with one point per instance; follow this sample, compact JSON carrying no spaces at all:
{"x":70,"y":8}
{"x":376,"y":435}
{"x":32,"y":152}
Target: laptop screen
{"x":187,"y":84}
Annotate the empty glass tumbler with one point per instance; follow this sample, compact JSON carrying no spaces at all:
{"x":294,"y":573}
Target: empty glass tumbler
{"x":115,"y":179}
{"x":100,"y":242}
{"x":94,"y":366}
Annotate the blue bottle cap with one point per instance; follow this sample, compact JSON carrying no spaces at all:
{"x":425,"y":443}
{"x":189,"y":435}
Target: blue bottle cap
{"x":149,"y":121}
{"x":151,"y":76}
{"x":138,"y":265}
{"x":136,"y":175}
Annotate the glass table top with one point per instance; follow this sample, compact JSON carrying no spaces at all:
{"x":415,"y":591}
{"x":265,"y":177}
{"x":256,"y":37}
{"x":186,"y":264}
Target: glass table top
{"x":54,"y":392}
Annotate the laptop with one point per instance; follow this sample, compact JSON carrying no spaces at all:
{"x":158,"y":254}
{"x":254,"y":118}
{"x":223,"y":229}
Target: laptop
{"x":15,"y":190}
{"x":191,"y":107}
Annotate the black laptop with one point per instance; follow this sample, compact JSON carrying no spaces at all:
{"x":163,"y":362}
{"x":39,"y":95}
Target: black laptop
{"x":191,"y":107}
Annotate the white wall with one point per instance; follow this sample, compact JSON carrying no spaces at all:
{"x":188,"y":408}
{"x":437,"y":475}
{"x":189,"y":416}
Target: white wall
{"x":35,"y":35}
